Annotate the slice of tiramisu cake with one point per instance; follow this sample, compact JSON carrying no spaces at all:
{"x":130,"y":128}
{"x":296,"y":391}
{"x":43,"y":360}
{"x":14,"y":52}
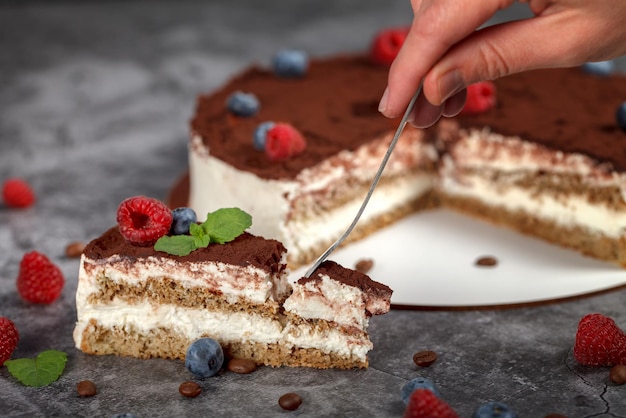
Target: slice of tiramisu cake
{"x":153,"y":298}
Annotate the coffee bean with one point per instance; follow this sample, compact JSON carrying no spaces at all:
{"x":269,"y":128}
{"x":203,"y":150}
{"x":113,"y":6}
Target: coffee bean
{"x":74,"y":249}
{"x":618,"y":374}
{"x":290,"y":401}
{"x":555,"y":416}
{"x":364,"y":265}
{"x":486,"y":261}
{"x":424,"y":358}
{"x":86,"y":388}
{"x":189,"y":389}
{"x":241,"y":365}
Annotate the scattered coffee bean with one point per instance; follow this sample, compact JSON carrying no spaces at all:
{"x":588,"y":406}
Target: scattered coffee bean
{"x":555,"y":416}
{"x":618,"y":374}
{"x":424,"y":358}
{"x":241,"y":365}
{"x":290,"y":401}
{"x":74,"y":249}
{"x":486,"y":261}
{"x":86,"y":388}
{"x":189,"y":389}
{"x":364,"y":265}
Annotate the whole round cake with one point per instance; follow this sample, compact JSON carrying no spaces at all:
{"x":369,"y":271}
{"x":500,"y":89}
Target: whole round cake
{"x":546,"y":159}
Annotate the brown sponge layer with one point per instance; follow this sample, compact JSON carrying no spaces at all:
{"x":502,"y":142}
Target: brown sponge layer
{"x":167,"y":343}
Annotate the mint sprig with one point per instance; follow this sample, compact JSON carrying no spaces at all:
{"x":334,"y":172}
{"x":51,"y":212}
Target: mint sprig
{"x":220,"y":227}
{"x":46,"y":368}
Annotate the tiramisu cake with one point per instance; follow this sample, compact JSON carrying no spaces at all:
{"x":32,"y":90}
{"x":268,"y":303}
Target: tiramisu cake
{"x":547,"y":160}
{"x":136,"y":301}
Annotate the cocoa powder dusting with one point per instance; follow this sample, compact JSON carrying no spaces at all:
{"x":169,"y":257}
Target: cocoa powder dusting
{"x":244,"y":250}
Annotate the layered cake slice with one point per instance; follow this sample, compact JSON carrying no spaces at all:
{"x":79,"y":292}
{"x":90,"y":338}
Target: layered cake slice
{"x":335,"y":312}
{"x":135,"y":300}
{"x":547,"y":160}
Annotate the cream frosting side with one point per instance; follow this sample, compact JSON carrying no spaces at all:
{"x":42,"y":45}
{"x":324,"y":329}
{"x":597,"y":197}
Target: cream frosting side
{"x":330,"y":300}
{"x":214,"y":184}
{"x":233,"y":282}
{"x":484,"y":151}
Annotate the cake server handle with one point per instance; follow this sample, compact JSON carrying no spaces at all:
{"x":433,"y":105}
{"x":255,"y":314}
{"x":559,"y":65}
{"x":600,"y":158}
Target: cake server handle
{"x":379,"y":173}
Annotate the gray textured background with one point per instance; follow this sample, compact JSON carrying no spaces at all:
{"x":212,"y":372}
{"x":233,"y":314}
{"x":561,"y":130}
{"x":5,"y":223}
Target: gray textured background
{"x":95,"y":99}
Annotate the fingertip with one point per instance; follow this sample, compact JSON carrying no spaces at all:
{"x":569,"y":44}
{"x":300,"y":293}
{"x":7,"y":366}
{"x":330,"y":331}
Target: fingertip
{"x":454,"y":104}
{"x":424,"y":113}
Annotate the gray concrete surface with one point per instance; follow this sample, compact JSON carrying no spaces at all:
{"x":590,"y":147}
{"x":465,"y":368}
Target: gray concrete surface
{"x":95,"y":99}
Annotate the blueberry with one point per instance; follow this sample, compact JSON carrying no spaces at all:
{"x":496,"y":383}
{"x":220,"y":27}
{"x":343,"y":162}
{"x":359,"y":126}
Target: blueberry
{"x":417,"y":383}
{"x":620,"y":115}
{"x":181,"y":219}
{"x":494,"y":410}
{"x":124,"y":415}
{"x":204,"y":357}
{"x":290,"y":63}
{"x":599,"y":68}
{"x":260,"y":133}
{"x":243,"y":104}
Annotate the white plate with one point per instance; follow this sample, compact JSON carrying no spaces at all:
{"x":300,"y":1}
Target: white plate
{"x":428,"y":260}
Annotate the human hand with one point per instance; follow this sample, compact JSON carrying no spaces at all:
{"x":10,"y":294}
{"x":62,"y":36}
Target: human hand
{"x":445,"y":51}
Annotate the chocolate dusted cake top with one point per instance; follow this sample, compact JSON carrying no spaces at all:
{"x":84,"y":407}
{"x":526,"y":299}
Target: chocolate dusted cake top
{"x":349,"y":277}
{"x":335,"y":107}
{"x":246,"y":249}
{"x":562,"y":109}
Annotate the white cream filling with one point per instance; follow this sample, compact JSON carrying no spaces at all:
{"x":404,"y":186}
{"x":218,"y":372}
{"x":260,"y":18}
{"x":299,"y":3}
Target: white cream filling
{"x":220,"y":277}
{"x":483,"y":151}
{"x":226,"y":327}
{"x":573,"y":211}
{"x":300,"y":235}
{"x":192,"y":323}
{"x":329,"y":341}
{"x":330,"y":300}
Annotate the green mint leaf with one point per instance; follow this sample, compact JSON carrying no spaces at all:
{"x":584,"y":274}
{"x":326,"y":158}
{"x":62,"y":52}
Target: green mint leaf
{"x":226,"y":224}
{"x":220,"y":227}
{"x":176,"y":244}
{"x":46,"y":368}
{"x":196,"y":230}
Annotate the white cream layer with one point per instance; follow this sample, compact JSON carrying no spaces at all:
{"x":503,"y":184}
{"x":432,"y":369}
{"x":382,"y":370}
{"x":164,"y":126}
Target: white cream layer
{"x":484,"y":151}
{"x":227,"y":327}
{"x":233,"y":282}
{"x":329,"y":300}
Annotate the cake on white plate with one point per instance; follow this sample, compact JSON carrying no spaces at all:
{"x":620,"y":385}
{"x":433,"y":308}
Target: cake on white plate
{"x":135,"y":300}
{"x":545,"y":159}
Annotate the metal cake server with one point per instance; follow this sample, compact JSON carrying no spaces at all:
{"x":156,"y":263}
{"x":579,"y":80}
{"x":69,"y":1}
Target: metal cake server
{"x":379,"y":173}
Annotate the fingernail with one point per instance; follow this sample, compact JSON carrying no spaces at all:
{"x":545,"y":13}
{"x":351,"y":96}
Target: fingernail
{"x":382,"y":105}
{"x":449,"y":84}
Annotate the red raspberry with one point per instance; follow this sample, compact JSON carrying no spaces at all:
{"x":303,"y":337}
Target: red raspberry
{"x":39,"y":280}
{"x":16,"y":193}
{"x":8,"y":338}
{"x":480,"y":98}
{"x":599,"y":342}
{"x":283,"y":141}
{"x":423,"y":403}
{"x":143,"y":220}
{"x":386,"y":45}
